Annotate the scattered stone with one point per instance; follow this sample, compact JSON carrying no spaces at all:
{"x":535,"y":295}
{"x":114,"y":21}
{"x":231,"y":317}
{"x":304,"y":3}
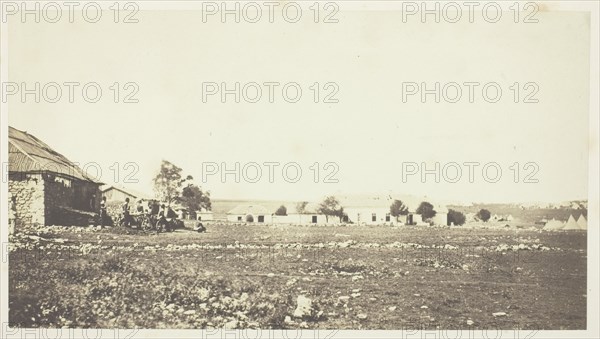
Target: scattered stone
{"x":499,"y":314}
{"x":470,"y":322}
{"x":392,"y":308}
{"x":271,"y":275}
{"x":230,"y":325}
{"x":357,"y":277}
{"x":344,"y":298}
{"x":346,"y":244}
{"x":424,"y":307}
{"x":361,"y":316}
{"x":303,"y":308}
{"x":288,"y":320}
{"x":189,"y":312}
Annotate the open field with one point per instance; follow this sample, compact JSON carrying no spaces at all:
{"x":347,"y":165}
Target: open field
{"x":357,"y":277}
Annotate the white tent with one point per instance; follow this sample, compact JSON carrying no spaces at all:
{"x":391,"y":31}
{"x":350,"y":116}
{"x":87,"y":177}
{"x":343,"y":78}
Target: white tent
{"x":582,"y":222}
{"x":554,"y":225}
{"x":571,"y":224}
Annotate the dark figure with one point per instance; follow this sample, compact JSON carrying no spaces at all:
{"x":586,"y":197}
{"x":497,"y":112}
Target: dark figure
{"x":126,"y":216}
{"x":140,"y":206}
{"x":200,"y":228}
{"x":103,"y":214}
{"x":162,"y":219}
{"x":153,"y":207}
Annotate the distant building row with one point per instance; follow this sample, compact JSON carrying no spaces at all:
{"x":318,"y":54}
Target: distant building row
{"x":364,"y":210}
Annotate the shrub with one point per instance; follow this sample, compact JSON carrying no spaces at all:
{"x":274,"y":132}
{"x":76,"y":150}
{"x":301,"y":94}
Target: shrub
{"x":456,"y":217}
{"x":484,"y":215}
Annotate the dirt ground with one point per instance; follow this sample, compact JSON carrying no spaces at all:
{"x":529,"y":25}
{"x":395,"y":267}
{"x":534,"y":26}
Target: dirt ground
{"x":355,"y":277}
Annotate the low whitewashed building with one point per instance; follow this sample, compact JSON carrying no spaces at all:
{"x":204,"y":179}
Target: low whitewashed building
{"x":205,"y":215}
{"x":373,"y":215}
{"x":302,"y":219}
{"x":370,"y":210}
{"x":119,"y":193}
{"x":249,"y":214}
{"x":441,"y":214}
{"x":309,"y":216}
{"x":375,"y":210}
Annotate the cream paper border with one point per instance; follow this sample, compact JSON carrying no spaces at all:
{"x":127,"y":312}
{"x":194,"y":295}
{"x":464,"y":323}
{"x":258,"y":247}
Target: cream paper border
{"x":593,"y":301}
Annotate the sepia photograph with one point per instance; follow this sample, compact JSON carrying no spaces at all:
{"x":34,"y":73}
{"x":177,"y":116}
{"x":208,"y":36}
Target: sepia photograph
{"x":306,"y":169}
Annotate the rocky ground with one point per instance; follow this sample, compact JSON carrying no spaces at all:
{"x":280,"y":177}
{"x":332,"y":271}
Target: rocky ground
{"x":346,"y":277}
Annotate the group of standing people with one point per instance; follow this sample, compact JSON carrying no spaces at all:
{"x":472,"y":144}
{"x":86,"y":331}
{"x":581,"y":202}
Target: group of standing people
{"x":158,"y":213}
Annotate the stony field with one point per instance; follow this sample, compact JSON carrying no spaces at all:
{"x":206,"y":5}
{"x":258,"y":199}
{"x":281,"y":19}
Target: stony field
{"x":288,"y":277}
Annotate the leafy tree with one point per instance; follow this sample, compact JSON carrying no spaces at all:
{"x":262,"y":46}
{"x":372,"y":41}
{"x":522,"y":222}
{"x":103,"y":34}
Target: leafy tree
{"x":282,"y":210}
{"x":301,"y":207}
{"x":398,"y":208}
{"x":484,"y":215}
{"x":194,"y":199}
{"x":426,"y":211}
{"x":456,"y":217}
{"x":331,"y":207}
{"x":168,"y":182}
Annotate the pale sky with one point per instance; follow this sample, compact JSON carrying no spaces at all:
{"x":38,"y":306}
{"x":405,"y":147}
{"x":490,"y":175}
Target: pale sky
{"x":369,"y":134}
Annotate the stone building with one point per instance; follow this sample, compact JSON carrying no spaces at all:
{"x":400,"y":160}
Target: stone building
{"x":46,"y":188}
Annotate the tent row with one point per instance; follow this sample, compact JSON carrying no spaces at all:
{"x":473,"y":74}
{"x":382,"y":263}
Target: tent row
{"x":571,"y":224}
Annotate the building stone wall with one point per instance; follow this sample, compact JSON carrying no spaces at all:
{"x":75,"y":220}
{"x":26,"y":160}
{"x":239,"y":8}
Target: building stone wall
{"x":27,"y":191}
{"x":47,"y":199}
{"x":71,"y":202}
{"x":59,"y":194}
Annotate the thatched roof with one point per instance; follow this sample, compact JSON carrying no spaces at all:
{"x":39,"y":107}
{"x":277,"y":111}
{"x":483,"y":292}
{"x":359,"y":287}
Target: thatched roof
{"x":28,"y":154}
